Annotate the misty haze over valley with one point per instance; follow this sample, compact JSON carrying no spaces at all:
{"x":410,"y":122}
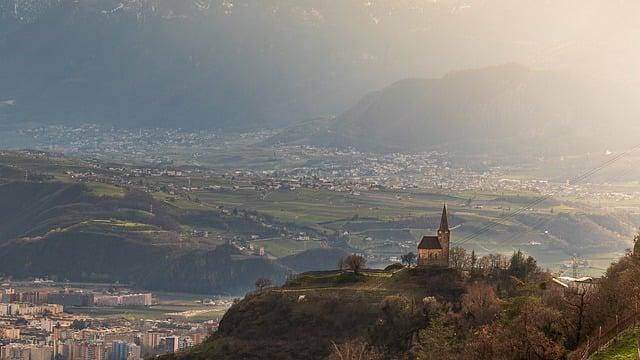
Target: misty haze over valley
{"x":246,"y":65}
{"x":319,"y":179}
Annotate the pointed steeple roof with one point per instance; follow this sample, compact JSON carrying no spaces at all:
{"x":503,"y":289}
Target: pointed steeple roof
{"x":444,"y":222}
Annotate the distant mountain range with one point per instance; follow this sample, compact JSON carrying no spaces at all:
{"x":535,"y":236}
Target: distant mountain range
{"x":247,"y":65}
{"x":501,"y":109}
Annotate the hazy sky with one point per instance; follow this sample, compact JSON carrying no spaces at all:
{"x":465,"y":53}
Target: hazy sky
{"x":277,"y":61}
{"x":598,"y":37}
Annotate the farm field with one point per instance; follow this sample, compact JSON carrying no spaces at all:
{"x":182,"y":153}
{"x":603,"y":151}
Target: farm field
{"x":169,"y":305}
{"x":383,"y":223}
{"x":388,"y":223}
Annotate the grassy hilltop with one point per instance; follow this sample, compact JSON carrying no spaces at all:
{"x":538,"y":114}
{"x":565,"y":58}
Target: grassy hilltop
{"x":388,"y":312}
{"x":491,"y":308}
{"x":302,"y":318}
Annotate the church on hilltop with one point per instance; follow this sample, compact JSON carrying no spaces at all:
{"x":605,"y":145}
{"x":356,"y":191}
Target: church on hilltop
{"x":434,"y":250}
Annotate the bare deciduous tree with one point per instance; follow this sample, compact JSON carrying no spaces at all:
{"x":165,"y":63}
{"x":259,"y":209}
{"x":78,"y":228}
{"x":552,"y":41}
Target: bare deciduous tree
{"x":578,"y":300}
{"x":353,"y":350}
{"x":354,"y":263}
{"x":480,"y":305}
{"x":458,"y":258}
{"x":492,"y":262}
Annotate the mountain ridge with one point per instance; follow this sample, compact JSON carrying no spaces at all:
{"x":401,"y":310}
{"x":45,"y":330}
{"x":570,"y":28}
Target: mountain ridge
{"x":472,"y":110}
{"x":244,"y":65}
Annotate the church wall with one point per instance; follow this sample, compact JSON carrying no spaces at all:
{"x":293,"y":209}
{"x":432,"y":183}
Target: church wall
{"x":431,"y":257}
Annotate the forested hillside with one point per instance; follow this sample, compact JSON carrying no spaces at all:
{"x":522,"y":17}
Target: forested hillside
{"x":63,"y":231}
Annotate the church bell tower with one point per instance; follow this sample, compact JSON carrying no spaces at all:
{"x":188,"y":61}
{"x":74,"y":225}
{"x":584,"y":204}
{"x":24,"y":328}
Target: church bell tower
{"x":444,"y":235}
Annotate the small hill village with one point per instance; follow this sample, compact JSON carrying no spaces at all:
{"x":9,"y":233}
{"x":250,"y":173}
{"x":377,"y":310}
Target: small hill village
{"x":35,"y":326}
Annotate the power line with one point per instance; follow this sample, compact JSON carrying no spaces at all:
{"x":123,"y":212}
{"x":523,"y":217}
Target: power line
{"x":543,"y":198}
{"x":541,"y":222}
{"x":533,"y":227}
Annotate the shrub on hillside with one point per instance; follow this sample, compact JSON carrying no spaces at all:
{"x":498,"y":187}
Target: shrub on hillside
{"x":394,"y":267}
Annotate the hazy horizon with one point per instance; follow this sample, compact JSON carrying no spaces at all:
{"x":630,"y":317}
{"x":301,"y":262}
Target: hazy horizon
{"x":247,"y":65}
